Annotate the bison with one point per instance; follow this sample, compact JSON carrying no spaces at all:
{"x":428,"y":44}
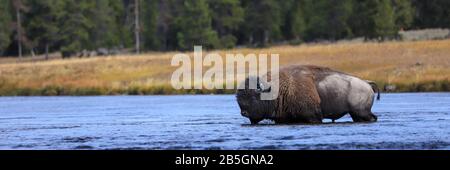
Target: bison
{"x":309,"y":94}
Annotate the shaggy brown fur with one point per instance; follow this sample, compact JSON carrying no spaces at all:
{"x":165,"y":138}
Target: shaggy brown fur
{"x":293,"y":107}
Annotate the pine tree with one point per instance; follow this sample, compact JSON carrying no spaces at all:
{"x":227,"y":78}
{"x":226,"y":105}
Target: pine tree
{"x":150,"y":14}
{"x":227,"y":15}
{"x":74,"y":27}
{"x":295,"y":25}
{"x":432,"y":13}
{"x":121,"y":17}
{"x":328,"y":19}
{"x":263,"y":21}
{"x":404,"y":13}
{"x":165,"y":31}
{"x":137,"y":26}
{"x":384,"y":20}
{"x":105,"y":27}
{"x":21,"y":38}
{"x":339,"y":12}
{"x":71,"y":26}
{"x":5,"y":25}
{"x":374,"y":19}
{"x":193,"y":26}
{"x":316,"y":19}
{"x":42,"y":23}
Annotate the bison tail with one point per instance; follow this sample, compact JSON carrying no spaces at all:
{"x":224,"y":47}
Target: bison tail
{"x":374,"y":88}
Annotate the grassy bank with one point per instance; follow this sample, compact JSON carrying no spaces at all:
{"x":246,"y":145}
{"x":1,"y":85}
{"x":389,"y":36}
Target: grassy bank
{"x":410,"y":66}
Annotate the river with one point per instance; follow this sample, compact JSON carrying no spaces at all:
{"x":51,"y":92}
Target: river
{"x":405,"y":121}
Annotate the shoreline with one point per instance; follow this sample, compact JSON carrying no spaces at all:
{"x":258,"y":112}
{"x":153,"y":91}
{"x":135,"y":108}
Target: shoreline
{"x":437,"y":86}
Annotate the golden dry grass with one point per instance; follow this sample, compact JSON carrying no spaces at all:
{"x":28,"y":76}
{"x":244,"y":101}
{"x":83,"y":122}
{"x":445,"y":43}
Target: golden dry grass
{"x":406,"y":64}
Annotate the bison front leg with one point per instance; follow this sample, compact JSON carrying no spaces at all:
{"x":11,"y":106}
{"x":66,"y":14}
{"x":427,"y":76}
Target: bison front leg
{"x":363,"y":116}
{"x":254,"y":121}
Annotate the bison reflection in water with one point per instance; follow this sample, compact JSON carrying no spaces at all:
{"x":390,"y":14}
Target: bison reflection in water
{"x":309,"y":94}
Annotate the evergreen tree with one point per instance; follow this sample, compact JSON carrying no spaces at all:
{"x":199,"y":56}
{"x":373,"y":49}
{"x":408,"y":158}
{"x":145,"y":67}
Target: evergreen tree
{"x":263,"y":21}
{"x":137,"y":25}
{"x":5,"y":25}
{"x":316,"y":19}
{"x":295,"y":25}
{"x":42,"y":23}
{"x":328,"y":19}
{"x":71,"y":26}
{"x":404,"y":13}
{"x":361,"y":19}
{"x":384,"y":20}
{"x":121,"y":15}
{"x":374,"y":19}
{"x":21,"y":39}
{"x":227,"y":15}
{"x":165,"y":31}
{"x":105,"y":32}
{"x":74,"y":27}
{"x":339,"y":12}
{"x":432,"y":13}
{"x":193,"y":26}
{"x":150,"y":14}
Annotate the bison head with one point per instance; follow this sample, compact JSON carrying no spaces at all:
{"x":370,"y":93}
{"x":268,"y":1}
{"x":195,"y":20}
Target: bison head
{"x":250,"y":104}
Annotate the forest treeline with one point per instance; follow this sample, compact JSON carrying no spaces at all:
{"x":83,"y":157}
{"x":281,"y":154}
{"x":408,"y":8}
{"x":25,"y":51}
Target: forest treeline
{"x":71,"y":26}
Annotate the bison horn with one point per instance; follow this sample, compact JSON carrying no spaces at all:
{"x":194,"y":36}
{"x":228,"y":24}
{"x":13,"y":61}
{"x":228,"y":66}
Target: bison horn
{"x":261,"y":88}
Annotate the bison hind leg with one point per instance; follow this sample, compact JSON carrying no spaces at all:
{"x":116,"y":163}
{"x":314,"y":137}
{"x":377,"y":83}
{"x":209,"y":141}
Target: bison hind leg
{"x":363,"y":116}
{"x":315,"y":121}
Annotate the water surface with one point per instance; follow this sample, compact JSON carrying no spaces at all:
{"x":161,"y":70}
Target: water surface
{"x":405,"y":121}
